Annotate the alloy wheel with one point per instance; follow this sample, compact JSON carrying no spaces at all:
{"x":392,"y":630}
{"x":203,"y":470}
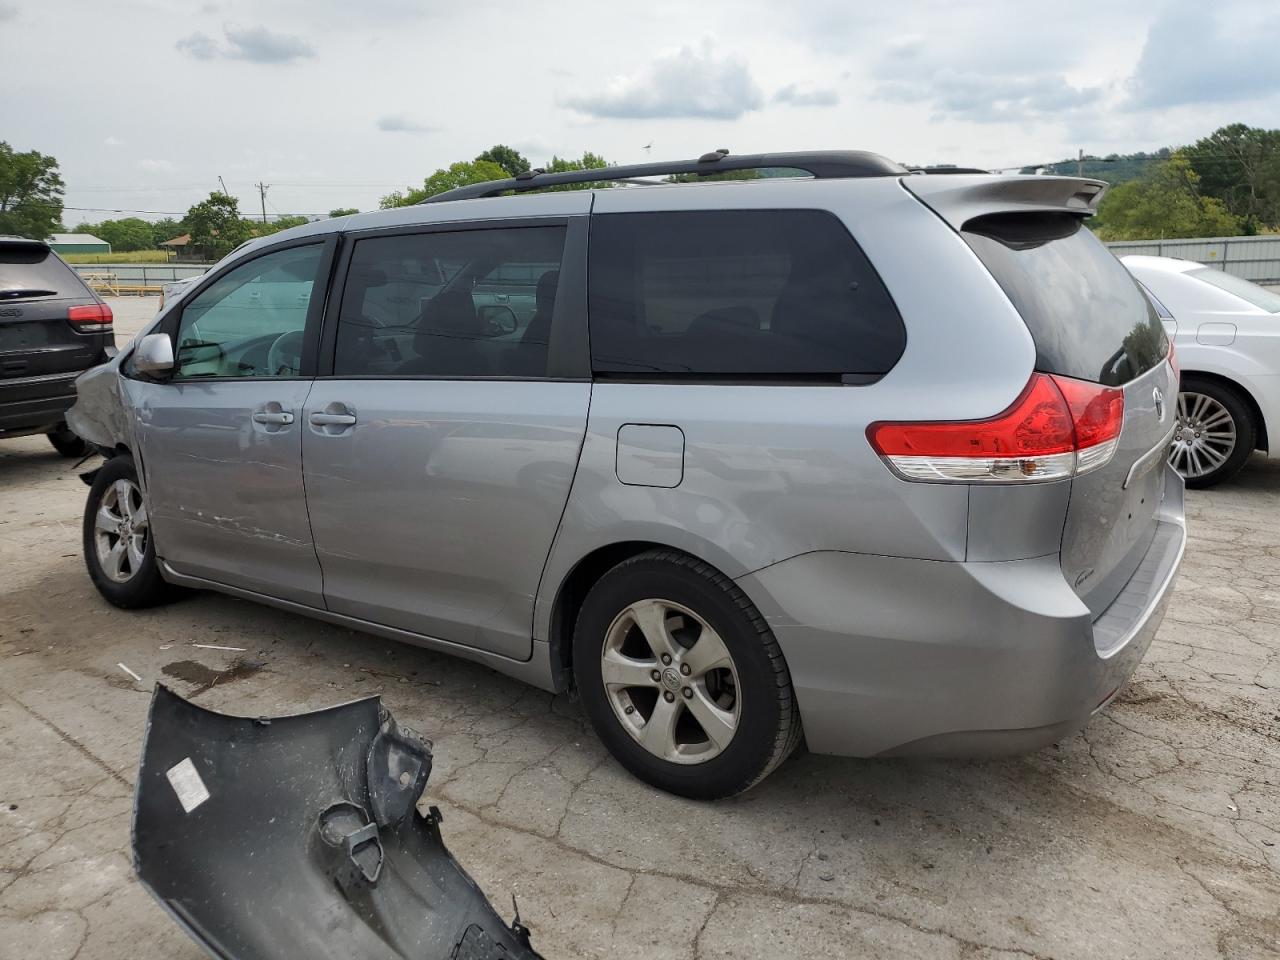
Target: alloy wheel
{"x":1205,"y":436}
{"x":120,"y":531}
{"x":671,"y":681}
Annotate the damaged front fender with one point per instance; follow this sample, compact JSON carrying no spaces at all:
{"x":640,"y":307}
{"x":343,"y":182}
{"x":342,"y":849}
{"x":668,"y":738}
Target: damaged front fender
{"x":300,"y":837}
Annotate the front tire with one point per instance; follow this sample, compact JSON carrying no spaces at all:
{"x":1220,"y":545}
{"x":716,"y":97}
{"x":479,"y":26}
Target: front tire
{"x":682,"y":679}
{"x":1215,"y":435}
{"x":118,"y":547}
{"x":67,"y":443}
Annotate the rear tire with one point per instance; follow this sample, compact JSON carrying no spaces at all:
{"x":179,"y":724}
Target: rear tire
{"x":722,"y":714}
{"x":67,"y":443}
{"x":118,"y":547}
{"x":1216,"y":433}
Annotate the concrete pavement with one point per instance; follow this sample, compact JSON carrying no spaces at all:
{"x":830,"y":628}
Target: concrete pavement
{"x":1154,"y":833}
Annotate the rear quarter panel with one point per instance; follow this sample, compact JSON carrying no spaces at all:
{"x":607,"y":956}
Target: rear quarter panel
{"x":774,"y":471}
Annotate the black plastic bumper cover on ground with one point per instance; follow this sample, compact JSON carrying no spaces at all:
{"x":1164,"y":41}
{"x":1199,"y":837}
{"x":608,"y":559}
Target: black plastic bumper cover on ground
{"x":299,"y":837}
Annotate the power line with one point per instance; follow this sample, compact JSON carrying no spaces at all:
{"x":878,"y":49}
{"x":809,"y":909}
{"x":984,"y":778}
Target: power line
{"x":262,"y":195}
{"x":159,"y":213}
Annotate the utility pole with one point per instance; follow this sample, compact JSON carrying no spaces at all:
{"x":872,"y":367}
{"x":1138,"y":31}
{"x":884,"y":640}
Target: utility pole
{"x":223,"y":185}
{"x":1080,"y":163}
{"x":262,"y":194}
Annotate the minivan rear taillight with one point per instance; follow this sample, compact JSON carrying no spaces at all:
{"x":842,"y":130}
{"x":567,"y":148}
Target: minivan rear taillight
{"x":94,"y":318}
{"x":1057,"y":428}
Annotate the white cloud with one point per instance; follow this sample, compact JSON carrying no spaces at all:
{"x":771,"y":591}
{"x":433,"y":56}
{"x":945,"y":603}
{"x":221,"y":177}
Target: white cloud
{"x":796,"y":96}
{"x":255,"y":44}
{"x":686,"y":83}
{"x":991,"y":98}
{"x":113,"y":142}
{"x":1219,"y":59}
{"x":403,"y":123}
{"x":198,"y":45}
{"x":156,"y":166}
{"x":260,"y":45}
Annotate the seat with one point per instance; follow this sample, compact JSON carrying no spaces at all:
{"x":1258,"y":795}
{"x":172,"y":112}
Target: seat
{"x":539,"y":329}
{"x":447,"y":339}
{"x":529,"y":359}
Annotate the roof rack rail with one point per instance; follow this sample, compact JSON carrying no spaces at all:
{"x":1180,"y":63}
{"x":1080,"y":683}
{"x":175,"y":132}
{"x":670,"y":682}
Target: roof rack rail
{"x":820,"y":164}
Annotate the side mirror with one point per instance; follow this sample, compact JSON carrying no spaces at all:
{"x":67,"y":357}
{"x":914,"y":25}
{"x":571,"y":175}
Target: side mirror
{"x":154,"y":356}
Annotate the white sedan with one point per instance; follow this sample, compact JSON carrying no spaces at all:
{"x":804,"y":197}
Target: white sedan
{"x":1226,"y":332}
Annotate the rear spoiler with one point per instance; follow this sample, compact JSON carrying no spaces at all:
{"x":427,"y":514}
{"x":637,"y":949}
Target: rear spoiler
{"x":960,"y":198}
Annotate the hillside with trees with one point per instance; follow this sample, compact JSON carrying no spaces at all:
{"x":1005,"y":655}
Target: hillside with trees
{"x":1226,"y":184}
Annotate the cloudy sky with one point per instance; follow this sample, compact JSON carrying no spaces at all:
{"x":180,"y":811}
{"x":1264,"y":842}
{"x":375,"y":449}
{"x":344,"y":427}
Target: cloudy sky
{"x":335,"y":103}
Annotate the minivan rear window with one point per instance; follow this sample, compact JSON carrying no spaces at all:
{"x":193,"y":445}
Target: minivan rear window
{"x":31,"y":271}
{"x":737,"y":294}
{"x":1085,"y":312}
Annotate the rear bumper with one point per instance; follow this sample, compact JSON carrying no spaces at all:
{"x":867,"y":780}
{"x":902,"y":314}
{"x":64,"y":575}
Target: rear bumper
{"x":891,"y":656}
{"x":35,"y":404}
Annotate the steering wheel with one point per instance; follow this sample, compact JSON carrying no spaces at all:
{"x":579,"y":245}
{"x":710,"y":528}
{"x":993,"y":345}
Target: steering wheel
{"x":284,"y":357}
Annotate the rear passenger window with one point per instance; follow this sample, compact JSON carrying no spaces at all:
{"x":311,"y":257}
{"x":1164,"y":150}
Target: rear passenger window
{"x":783,"y":294}
{"x":473,"y":303}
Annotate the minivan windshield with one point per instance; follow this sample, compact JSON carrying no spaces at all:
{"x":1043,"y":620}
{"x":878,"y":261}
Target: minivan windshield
{"x":1239,"y":287}
{"x":1085,"y":312}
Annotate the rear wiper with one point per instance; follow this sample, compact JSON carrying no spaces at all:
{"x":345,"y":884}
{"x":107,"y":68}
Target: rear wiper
{"x":21,"y":293}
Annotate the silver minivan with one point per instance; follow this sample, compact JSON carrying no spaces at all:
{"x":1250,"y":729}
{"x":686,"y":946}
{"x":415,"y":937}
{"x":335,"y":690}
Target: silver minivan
{"x":851,"y":455}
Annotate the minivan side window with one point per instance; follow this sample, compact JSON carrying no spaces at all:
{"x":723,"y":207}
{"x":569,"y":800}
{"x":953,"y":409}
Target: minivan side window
{"x":770,"y":294}
{"x":451,"y":304}
{"x":250,"y":321}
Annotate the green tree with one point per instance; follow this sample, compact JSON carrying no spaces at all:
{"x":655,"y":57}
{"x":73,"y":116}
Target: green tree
{"x":259,"y":229}
{"x":457,"y":175}
{"x":588,"y":161}
{"x":1165,"y":203}
{"x":168,"y":228}
{"x":216,"y":226}
{"x":125,"y":236}
{"x":31,"y":192}
{"x":342,"y":211}
{"x":508,"y":158}
{"x":1240,"y":165}
{"x":704,"y":177}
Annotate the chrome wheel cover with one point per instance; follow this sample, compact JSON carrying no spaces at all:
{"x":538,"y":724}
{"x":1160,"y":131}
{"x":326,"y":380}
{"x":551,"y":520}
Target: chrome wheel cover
{"x":1205,"y":436}
{"x":671,"y":681}
{"x":120,"y":531}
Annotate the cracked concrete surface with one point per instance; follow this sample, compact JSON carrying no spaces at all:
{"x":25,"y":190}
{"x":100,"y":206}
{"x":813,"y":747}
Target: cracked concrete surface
{"x":1154,"y":833}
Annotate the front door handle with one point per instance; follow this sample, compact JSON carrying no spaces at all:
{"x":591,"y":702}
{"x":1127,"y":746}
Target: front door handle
{"x":332,"y":419}
{"x":280,"y":418}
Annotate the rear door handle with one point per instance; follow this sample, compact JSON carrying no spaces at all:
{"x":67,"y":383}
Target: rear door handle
{"x":281,"y":418}
{"x":332,"y":419}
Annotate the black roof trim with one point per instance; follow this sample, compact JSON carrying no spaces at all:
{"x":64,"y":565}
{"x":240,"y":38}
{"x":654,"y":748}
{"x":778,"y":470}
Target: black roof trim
{"x":821,"y":164}
{"x":8,"y":241}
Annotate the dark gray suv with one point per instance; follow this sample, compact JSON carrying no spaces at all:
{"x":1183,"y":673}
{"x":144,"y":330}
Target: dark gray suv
{"x":52,"y":329}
